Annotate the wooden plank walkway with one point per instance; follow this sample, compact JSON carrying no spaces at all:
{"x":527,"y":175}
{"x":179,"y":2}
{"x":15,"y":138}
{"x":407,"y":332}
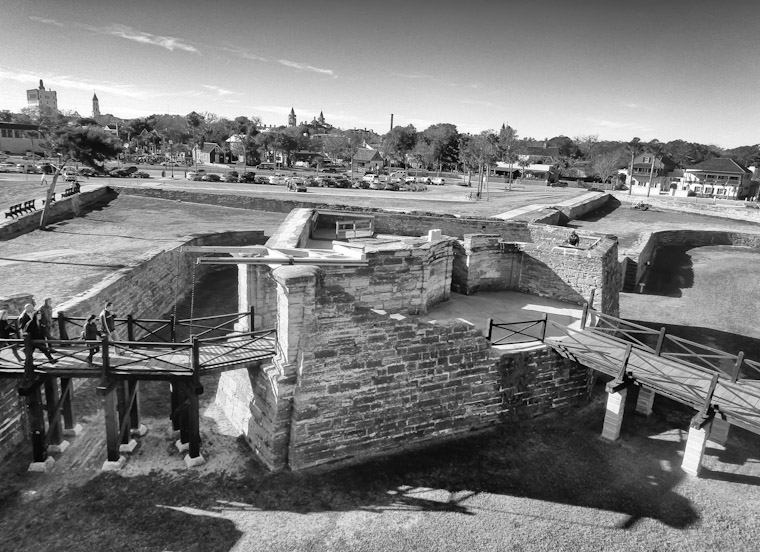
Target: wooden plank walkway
{"x":738,"y":402}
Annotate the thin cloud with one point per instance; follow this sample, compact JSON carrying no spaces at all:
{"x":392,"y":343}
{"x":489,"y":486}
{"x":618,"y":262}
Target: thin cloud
{"x":246,"y":54}
{"x":605,"y":123}
{"x":122,"y":31}
{"x":46,"y":21}
{"x":412,"y":75}
{"x":219,"y":90}
{"x":304,"y":67}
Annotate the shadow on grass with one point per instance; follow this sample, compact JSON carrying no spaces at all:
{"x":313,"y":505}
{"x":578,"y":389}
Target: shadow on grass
{"x":671,"y":272}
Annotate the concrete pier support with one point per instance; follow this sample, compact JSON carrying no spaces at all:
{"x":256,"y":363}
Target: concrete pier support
{"x":719,"y":431}
{"x":645,"y":401}
{"x":613,"y":417}
{"x":695,"y":449}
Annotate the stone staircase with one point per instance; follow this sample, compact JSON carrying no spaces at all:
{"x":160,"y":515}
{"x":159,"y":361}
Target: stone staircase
{"x":629,"y":278}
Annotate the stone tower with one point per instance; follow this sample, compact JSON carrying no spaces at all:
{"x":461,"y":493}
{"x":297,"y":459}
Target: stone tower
{"x":292,"y":118}
{"x":95,"y":106}
{"x":321,"y":119}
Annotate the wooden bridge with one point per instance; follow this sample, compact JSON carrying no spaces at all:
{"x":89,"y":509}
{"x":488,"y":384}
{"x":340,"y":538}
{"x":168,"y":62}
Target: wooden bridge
{"x":723,"y":388}
{"x":120,"y":366}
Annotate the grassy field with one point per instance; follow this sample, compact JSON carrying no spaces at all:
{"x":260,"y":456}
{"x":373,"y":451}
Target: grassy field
{"x":544,"y":484}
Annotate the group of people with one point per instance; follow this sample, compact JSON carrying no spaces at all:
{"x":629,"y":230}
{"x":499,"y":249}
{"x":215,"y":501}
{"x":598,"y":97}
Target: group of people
{"x":38,"y":324}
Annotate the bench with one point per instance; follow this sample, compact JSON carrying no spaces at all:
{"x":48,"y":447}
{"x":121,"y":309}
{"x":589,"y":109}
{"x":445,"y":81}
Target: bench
{"x":20,"y":209}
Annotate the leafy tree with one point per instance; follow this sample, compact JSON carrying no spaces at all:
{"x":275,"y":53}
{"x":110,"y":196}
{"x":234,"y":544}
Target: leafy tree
{"x":399,"y":142}
{"x":586,"y":144}
{"x":337,"y":146}
{"x":439,"y":145}
{"x":89,"y":145}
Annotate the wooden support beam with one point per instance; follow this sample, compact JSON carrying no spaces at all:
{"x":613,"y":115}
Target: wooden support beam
{"x":544,"y":323}
{"x":660,"y":342}
{"x":37,"y":424}
{"x":67,"y":411}
{"x":489,"y":324}
{"x":623,"y":379}
{"x":133,"y":386}
{"x":737,"y":367}
{"x":111,"y":406}
{"x":52,"y":402}
{"x":193,"y":422}
{"x":176,"y":401}
{"x":705,"y":413}
{"x":584,"y":316}
{"x":123,"y":408}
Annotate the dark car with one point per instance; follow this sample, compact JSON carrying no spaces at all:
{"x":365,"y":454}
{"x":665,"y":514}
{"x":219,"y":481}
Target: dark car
{"x":248,"y":177}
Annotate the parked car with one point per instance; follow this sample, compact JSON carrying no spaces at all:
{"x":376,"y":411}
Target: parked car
{"x":191,"y":175}
{"x":231,"y":177}
{"x":140,"y":174}
{"x":211,"y":177}
{"x":267,"y":166}
{"x":376,"y":185}
{"x":8,"y":167}
{"x":296,"y":185}
{"x":342,"y":182}
{"x":277,"y":178}
{"x":88,"y":171}
{"x":438,"y":181}
{"x":408,"y":179}
{"x":360,"y":184}
{"x":370,"y":177}
{"x":391,"y":186}
{"x":248,"y":177}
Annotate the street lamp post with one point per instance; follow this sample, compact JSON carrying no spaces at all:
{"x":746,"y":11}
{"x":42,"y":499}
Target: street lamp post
{"x":171,"y":155}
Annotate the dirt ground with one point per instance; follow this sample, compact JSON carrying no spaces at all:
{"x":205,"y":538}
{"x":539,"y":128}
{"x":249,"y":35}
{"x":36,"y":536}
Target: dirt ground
{"x":544,"y":484}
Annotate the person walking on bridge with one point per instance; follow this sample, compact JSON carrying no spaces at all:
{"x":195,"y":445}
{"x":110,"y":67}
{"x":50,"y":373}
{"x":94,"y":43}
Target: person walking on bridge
{"x":8,"y":332}
{"x":108,"y":323}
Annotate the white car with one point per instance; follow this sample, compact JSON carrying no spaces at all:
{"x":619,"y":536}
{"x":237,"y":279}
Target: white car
{"x":370,"y":177}
{"x":8,"y":167}
{"x":438,"y":181}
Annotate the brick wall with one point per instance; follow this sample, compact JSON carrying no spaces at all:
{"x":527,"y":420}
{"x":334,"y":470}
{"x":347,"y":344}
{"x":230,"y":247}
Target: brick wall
{"x":369,"y":382}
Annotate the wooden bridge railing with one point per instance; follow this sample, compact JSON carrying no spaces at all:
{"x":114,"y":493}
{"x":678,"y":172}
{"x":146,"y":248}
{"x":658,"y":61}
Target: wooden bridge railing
{"x":514,"y":333}
{"x":153,"y":329}
{"x":670,"y":346}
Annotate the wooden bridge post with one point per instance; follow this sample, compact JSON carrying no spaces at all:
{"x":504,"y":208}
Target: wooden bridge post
{"x":193,"y":390}
{"x":490,"y":328}
{"x":37,"y":424}
{"x":130,"y":327}
{"x":660,"y":342}
{"x":645,"y":400}
{"x":591,"y":297}
{"x":62,"y":333}
{"x":133,"y":387}
{"x":123,"y":408}
{"x":176,"y":402}
{"x":584,"y":316}
{"x":545,"y":319}
{"x":52,"y":399}
{"x":111,"y":406}
{"x":737,"y":367}
{"x":67,"y":411}
{"x":251,"y":324}
{"x":719,"y":430}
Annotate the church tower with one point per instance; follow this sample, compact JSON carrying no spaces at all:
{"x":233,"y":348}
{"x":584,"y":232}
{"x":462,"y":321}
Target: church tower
{"x":321,"y":119}
{"x":95,"y":106}
{"x":292,"y":118}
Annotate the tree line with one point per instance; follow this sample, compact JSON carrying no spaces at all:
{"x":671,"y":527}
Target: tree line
{"x":439,"y":147}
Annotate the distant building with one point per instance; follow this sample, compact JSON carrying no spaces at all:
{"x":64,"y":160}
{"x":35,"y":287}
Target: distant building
{"x":209,"y":153}
{"x":95,"y":106}
{"x":651,"y":173}
{"x":367,"y":159}
{"x":42,"y":99}
{"x":721,"y":178}
{"x":292,"y":118}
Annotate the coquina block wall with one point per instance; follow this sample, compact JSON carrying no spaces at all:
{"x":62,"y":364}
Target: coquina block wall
{"x":352,"y":381}
{"x":358,"y":373}
{"x":546,"y":268}
{"x":146,"y":289}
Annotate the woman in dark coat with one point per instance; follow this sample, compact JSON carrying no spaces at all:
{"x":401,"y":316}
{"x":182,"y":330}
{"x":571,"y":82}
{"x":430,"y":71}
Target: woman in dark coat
{"x":91,"y":333}
{"x":8,"y":332}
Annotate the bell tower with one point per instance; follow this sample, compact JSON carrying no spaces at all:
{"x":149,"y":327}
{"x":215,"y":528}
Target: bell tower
{"x":95,"y":106}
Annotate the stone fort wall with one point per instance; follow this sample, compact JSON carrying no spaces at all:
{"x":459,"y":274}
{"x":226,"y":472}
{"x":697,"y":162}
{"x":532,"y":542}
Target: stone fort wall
{"x":359,"y":373}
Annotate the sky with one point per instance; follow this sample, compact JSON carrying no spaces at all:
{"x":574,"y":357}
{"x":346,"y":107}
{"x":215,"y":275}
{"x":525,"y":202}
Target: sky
{"x":665,"y":69}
